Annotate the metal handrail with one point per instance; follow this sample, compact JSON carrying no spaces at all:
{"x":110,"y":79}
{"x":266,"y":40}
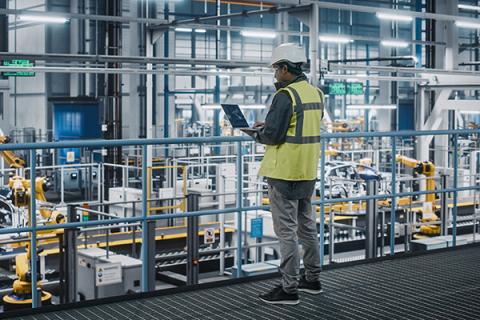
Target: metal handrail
{"x":239,"y":209}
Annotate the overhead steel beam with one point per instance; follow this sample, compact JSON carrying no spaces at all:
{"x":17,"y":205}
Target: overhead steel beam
{"x":159,"y":29}
{"x":350,"y":67}
{"x":295,"y":5}
{"x":48,"y":57}
{"x":376,"y":39}
{"x":371,"y":9}
{"x":245,"y":13}
{"x":70,"y":15}
{"x":238,"y":29}
{"x":205,"y":73}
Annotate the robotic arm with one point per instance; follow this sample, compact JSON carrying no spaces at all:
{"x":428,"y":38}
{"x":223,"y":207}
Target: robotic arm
{"x":10,"y":157}
{"x":22,"y":288}
{"x":426,"y":168}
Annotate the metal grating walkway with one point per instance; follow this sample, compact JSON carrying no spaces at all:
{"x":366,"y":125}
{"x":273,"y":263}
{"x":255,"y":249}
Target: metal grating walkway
{"x":444,"y":285}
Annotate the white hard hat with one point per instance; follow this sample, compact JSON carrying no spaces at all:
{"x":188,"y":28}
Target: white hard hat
{"x":288,"y":52}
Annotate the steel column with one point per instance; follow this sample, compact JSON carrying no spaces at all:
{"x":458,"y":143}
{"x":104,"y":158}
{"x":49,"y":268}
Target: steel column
{"x":322,"y":203}
{"x":70,"y":263}
{"x":444,"y":208}
{"x":314,"y":44}
{"x":193,"y":265}
{"x":239,"y":201}
{"x":144,"y":255}
{"x":393,"y":210}
{"x":455,"y":186}
{"x":33,"y":234}
{"x":371,"y":234}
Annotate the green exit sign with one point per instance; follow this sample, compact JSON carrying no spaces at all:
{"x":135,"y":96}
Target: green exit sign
{"x":344,"y":88}
{"x":355,"y":88}
{"x":337,"y":88}
{"x":18,"y":63}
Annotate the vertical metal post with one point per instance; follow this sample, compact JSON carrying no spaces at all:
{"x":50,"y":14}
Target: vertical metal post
{"x":367,"y":90}
{"x":144,"y":249}
{"x":149,"y":91}
{"x":99,"y":186}
{"x":239,"y":206}
{"x":382,"y":234}
{"x":322,"y":201}
{"x":418,"y":35}
{"x":314,"y":26}
{"x":62,"y":185}
{"x":455,"y":186}
{"x":33,"y":234}
{"x":221,"y":205}
{"x":70,"y":262}
{"x":150,"y":254}
{"x":444,"y":204}
{"x":166,"y":79}
{"x":331,"y":235}
{"x":134,"y":231}
{"x":371,"y":234}
{"x":393,"y":210}
{"x":193,"y":265}
{"x":216,"y":92}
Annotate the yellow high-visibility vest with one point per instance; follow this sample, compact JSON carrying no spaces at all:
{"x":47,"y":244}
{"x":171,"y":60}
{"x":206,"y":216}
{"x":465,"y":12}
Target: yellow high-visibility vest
{"x":297,"y":158}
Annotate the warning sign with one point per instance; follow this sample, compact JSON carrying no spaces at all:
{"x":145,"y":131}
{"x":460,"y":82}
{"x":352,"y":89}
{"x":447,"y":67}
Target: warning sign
{"x":209,"y":236}
{"x":108,"y":273}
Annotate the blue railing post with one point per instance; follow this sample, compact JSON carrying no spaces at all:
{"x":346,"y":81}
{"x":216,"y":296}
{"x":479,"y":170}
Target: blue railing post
{"x":455,"y":186}
{"x":394,"y":196}
{"x":322,"y":202}
{"x":239,"y":206}
{"x":144,"y":220}
{"x":33,"y":225}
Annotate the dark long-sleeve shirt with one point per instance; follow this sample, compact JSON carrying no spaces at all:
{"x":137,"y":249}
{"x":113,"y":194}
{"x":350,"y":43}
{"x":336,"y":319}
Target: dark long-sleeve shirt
{"x":274,"y":132}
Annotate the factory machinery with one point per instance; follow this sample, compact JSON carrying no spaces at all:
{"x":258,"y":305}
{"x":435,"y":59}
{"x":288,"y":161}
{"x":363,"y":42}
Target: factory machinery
{"x":96,"y":262}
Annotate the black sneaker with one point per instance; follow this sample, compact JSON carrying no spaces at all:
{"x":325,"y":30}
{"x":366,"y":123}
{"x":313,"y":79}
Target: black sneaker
{"x":314,"y":287}
{"x":278,"y":296}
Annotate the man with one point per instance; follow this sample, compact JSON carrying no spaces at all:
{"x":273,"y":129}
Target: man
{"x":291,"y":132}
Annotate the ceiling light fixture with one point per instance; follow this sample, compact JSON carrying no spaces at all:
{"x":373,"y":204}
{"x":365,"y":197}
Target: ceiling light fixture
{"x":258,"y":34}
{"x":394,"y":43}
{"x":335,"y":39}
{"x":211,"y":106}
{"x":469,"y":25}
{"x":41,"y":18}
{"x":394,"y":17}
{"x":470,"y":112}
{"x":468,"y":7}
{"x":179,"y":29}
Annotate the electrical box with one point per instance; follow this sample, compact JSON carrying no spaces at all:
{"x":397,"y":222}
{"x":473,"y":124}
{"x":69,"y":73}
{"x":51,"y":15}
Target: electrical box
{"x":74,"y":179}
{"x":125,"y":210}
{"x":100,"y":277}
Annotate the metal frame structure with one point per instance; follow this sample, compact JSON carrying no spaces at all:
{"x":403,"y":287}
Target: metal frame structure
{"x":239,"y":208}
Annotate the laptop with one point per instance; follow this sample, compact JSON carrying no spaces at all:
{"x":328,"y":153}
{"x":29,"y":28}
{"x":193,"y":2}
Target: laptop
{"x":236,"y":117}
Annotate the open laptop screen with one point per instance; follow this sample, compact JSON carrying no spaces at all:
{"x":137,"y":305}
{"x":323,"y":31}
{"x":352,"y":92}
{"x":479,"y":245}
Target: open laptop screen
{"x":235,"y":116}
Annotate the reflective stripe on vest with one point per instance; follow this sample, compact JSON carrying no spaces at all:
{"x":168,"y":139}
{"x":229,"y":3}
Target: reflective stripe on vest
{"x":297,"y":158}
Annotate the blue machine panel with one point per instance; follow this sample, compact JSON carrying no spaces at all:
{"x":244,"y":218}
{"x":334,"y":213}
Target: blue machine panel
{"x":256,"y":227}
{"x":406,"y":115}
{"x":75,"y":121}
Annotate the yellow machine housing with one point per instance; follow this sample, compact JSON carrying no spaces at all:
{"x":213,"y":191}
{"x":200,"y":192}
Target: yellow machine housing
{"x":426,"y":168}
{"x":22,"y":286}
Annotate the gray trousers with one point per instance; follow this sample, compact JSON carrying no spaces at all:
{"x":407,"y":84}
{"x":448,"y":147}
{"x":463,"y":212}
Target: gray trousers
{"x":294,"y":220}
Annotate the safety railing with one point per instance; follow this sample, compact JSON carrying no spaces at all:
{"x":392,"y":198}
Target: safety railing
{"x":239,"y":208}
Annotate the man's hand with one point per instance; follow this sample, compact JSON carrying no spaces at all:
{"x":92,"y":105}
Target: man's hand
{"x":249,"y":132}
{"x":258,"y":124}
